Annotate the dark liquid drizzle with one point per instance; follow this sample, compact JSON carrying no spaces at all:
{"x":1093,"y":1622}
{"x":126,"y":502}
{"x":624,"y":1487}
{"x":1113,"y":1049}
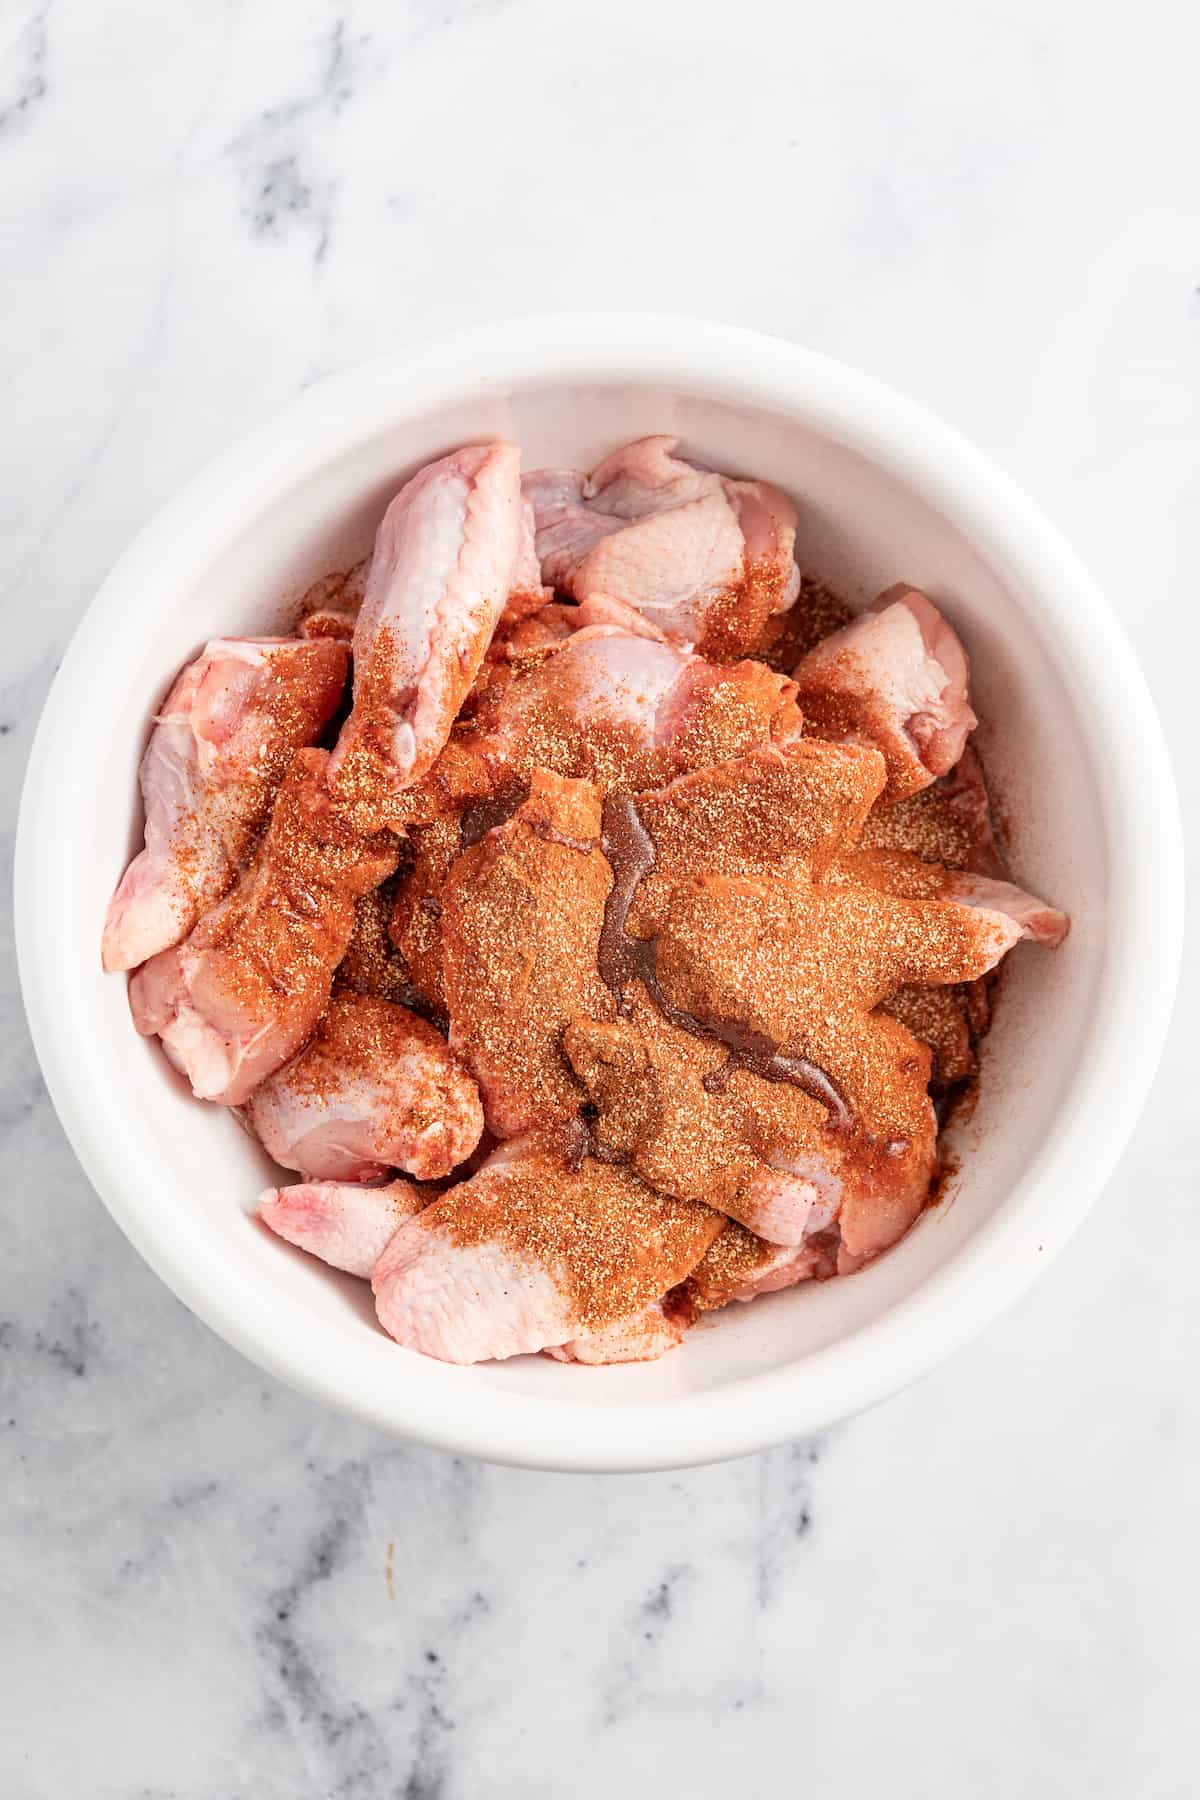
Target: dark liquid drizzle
{"x":492,"y":810}
{"x":622,"y":959}
{"x":483,"y":815}
{"x":582,"y":1142}
{"x":631,"y":855}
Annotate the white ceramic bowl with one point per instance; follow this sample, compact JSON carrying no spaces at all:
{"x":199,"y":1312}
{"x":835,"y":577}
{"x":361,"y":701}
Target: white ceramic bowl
{"x":885,"y":494}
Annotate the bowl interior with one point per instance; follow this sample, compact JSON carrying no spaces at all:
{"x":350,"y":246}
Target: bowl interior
{"x":861,"y":528}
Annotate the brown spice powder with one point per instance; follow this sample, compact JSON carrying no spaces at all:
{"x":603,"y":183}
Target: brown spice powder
{"x":789,"y":636}
{"x":372,"y":965}
{"x":738,"y":619}
{"x":279,"y":936}
{"x":948,"y":822}
{"x":415,"y":926}
{"x":521,"y":918}
{"x":938,"y":1016}
{"x":734,"y":1259}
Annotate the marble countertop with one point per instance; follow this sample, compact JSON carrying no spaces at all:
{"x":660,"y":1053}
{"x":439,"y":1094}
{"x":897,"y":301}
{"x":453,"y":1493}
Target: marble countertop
{"x":213,"y":1590}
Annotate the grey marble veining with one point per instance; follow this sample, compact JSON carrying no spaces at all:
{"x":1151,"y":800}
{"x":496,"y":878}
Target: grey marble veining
{"x":209,"y":1588}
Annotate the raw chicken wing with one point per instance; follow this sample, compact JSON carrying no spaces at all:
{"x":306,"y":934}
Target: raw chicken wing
{"x":375,"y":1088}
{"x":707,"y":560}
{"x":220,"y":746}
{"x":1010,"y":906}
{"x":950,"y":823}
{"x":244,"y":991}
{"x":346,"y":1225}
{"x":895,"y":678}
{"x":452,"y":546}
{"x":534,"y":1252}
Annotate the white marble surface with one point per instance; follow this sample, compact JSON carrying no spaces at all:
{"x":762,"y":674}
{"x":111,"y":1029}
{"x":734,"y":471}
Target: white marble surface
{"x":211,"y":1590}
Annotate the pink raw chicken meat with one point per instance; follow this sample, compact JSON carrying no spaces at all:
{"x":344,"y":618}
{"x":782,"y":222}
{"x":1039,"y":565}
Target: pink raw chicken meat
{"x":220,"y":746}
{"x":642,"y":1337}
{"x":346,"y":1225}
{"x":453,"y":546}
{"x":244,"y":991}
{"x":788,"y":1202}
{"x":895,"y":678}
{"x":613,"y":706}
{"x":517,"y":1259}
{"x":375,"y":1088}
{"x":705,"y":559}
{"x":1017,"y":913}
{"x":789,"y":1211}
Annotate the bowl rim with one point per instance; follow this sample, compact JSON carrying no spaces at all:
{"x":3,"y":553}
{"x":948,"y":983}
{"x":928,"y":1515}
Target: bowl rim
{"x":996,"y":1266}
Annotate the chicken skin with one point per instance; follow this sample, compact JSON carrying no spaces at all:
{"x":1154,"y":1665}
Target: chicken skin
{"x":533,"y":1252}
{"x":705,"y":560}
{"x":895,"y":678}
{"x":240,"y":996}
{"x":222,"y":741}
{"x":452,"y":547}
{"x":375,"y":1088}
{"x":347,"y":1225}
